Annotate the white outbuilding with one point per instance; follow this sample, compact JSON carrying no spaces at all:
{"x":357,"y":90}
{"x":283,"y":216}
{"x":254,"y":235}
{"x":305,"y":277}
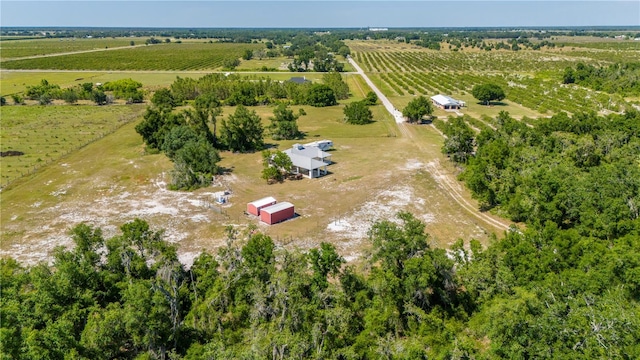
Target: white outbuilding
{"x":446,"y":102}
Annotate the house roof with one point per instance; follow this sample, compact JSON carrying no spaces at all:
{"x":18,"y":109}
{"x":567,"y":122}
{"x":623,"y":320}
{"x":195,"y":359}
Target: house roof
{"x":304,"y":162}
{"x":298,"y":80}
{"x":263,"y":201}
{"x":445,"y":100}
{"x":308,"y":151}
{"x":277,"y":207}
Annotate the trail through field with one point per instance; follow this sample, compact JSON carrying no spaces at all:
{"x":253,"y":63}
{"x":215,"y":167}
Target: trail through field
{"x":442,"y":177}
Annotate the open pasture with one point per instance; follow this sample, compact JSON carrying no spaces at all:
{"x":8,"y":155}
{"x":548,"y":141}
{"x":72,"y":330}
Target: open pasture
{"x":112,"y":180}
{"x":38,"y":47}
{"x":46,"y":133}
{"x":170,"y":56}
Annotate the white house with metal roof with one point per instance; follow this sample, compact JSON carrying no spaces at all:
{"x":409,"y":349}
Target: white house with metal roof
{"x":309,"y":161}
{"x":446,"y":102}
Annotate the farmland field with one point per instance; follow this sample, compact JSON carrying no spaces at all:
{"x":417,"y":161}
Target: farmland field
{"x":531,"y":79}
{"x":46,"y":133}
{"x":35,"y":47}
{"x":171,"y":56}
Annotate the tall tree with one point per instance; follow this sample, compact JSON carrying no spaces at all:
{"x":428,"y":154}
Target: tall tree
{"x":417,"y":108}
{"x":207,"y":108}
{"x":357,"y":113}
{"x":334,"y":80}
{"x":459,"y":141}
{"x":242,"y":131}
{"x":194,"y":164}
{"x":487,"y":93}
{"x":275,"y":165}
{"x":320,"y":95}
{"x":284,"y":124}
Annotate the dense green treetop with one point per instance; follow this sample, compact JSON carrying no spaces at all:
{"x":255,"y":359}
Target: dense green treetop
{"x":357,"y":113}
{"x":417,"y":108}
{"x":242,"y":131}
{"x":487,"y":93}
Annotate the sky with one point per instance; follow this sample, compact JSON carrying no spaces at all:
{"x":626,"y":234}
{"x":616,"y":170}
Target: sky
{"x":318,"y":13}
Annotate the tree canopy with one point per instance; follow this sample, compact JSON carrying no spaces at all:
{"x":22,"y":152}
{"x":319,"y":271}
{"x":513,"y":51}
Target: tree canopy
{"x":284,"y":124}
{"x":417,"y":108}
{"x":357,"y":113}
{"x":487,"y":93}
{"x":242,"y":131}
{"x":321,"y":95}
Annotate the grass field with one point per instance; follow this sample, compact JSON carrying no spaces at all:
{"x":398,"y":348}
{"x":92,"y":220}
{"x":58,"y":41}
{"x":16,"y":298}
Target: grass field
{"x":36,"y":47}
{"x":171,"y":56}
{"x":46,"y":133}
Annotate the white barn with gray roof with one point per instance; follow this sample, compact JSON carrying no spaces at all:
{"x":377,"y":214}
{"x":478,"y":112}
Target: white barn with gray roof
{"x":446,"y":102}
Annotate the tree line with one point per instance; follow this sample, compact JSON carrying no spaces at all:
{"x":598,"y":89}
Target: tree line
{"x":102,"y":94}
{"x":618,"y":78}
{"x":539,"y":293}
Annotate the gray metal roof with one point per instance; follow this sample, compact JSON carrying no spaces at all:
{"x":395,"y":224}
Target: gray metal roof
{"x":308,"y":151}
{"x":263,"y":201}
{"x":305,"y":162}
{"x":277,"y":207}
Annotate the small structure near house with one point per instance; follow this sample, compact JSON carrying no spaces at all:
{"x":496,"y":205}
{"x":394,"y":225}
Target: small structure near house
{"x":255,"y":207}
{"x":323,"y":145}
{"x":309,"y":161}
{"x":277,"y":213}
{"x":446,"y":102}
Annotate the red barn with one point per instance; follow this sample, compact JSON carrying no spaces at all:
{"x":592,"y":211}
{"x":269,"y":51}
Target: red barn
{"x":277,"y":213}
{"x":255,"y":206}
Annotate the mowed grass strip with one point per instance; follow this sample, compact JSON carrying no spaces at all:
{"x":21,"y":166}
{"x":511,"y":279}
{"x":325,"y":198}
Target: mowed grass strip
{"x":171,"y":56}
{"x":38,"y":47}
{"x":46,"y":133}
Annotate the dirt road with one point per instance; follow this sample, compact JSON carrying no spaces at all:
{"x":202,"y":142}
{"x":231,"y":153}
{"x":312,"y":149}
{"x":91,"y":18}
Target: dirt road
{"x":445,"y":179}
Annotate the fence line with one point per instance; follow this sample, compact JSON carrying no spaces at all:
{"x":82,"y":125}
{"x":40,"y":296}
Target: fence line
{"x":36,"y":167}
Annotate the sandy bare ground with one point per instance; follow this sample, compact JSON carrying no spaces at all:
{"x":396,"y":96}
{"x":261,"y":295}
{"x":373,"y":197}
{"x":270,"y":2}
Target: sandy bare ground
{"x":180,"y":214}
{"x":187,"y":217}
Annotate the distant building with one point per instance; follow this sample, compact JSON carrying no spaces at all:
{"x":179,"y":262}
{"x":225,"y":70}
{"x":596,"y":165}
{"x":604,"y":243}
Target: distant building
{"x":378,"y":29}
{"x":446,"y":102}
{"x":299,"y":80}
